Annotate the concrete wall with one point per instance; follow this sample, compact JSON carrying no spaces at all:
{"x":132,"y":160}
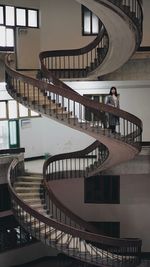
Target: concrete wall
{"x":49,"y":136}
{"x":133,"y":210}
{"x":137,"y":68}
{"x":146,"y":23}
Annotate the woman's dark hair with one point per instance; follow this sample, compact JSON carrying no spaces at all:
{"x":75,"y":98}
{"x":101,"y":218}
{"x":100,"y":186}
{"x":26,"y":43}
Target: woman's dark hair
{"x":113,"y":87}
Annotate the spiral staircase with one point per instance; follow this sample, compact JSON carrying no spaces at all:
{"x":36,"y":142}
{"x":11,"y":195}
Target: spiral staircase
{"x":34,"y":203}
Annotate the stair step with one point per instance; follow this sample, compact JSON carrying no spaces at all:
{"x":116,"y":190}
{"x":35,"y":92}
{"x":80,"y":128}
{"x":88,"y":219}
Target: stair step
{"x":29,"y":195}
{"x":34,"y":200}
{"x":28,"y":184}
{"x":29,"y":178}
{"x":34,"y":174}
{"x":22,"y":189}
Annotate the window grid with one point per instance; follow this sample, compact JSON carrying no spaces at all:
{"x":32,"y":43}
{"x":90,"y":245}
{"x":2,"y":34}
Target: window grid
{"x":9,"y":16}
{"x":90,"y":22}
{"x":12,"y":17}
{"x":1,"y":15}
{"x":11,"y":109}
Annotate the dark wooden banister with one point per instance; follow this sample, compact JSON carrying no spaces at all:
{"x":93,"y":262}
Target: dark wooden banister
{"x":75,"y":52}
{"x":60,"y":89}
{"x":76,"y":154}
{"x":72,"y":95}
{"x":114,"y":242}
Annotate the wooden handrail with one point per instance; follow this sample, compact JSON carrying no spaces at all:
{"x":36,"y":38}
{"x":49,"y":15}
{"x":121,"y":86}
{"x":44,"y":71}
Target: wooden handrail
{"x":58,"y":88}
{"x":73,"y":52}
{"x":114,"y":242}
{"x":72,"y":95}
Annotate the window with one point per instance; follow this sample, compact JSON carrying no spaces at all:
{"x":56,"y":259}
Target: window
{"x":90,"y":22}
{"x":1,"y":15}
{"x":4,"y":135}
{"x":11,"y":109}
{"x":3,"y":113}
{"x":7,"y":38}
{"x":14,"y":141}
{"x":32,"y":18}
{"x":102,"y":189}
{"x":12,"y":17}
{"x":20,"y":17}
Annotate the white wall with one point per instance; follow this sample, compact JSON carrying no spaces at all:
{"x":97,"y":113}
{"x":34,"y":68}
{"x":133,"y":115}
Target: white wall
{"x":45,"y":135}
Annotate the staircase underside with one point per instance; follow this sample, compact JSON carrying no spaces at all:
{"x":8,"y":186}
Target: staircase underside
{"x":122,"y":45}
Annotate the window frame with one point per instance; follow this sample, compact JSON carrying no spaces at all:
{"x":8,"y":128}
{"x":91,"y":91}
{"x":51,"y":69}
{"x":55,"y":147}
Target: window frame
{"x":91,"y":33}
{"x":102,"y":189}
{"x":13,"y":27}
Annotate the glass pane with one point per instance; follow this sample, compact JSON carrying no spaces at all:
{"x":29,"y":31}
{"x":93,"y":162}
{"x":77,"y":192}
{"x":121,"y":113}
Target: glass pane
{"x":10,"y":16}
{"x":12,"y":107}
{"x":87,"y":22}
{"x":32,"y":18}
{"x":1,"y":15}
{"x":3,"y":93}
{"x":2,"y":36}
{"x":33,"y":113}
{"x":20,"y":17}
{"x":13,"y":133}
{"x":3,"y":110}
{"x":95,"y":22}
{"x":4,"y":143}
{"x":23,"y":111}
{"x":9,"y":37}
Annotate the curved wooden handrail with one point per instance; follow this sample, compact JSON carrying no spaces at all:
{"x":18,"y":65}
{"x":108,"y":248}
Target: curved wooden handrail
{"x":72,"y":95}
{"x":129,"y":9}
{"x":75,"y":52}
{"x":76,"y":154}
{"x":87,"y":55}
{"x":114,"y":242}
{"x":15,"y":80}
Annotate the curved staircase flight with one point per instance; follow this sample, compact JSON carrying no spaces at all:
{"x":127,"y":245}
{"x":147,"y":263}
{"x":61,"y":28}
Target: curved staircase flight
{"x":34,"y":203}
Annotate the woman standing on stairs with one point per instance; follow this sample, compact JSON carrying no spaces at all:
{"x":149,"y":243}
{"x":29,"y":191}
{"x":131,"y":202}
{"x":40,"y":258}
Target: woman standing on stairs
{"x":113,"y":100}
